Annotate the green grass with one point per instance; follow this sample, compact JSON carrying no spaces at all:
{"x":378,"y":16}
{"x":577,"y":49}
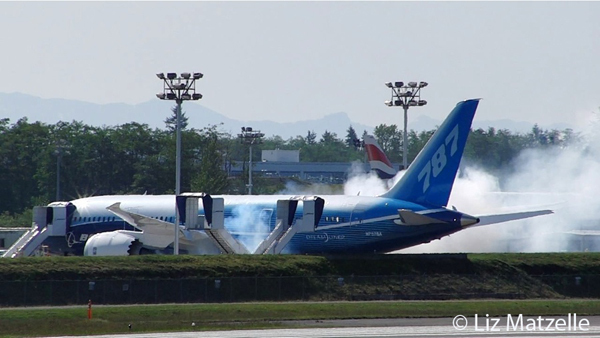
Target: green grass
{"x":543,"y":263}
{"x":74,"y":268}
{"x":178,"y":317}
{"x":434,"y":276}
{"x":154,"y":266}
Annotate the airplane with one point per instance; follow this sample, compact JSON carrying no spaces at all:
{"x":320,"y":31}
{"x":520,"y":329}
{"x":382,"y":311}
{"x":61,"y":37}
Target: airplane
{"x":412,"y":212}
{"x":378,"y":161}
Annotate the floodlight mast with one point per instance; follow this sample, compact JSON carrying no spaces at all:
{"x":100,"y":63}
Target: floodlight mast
{"x":250,"y":137}
{"x":405,"y":96}
{"x":62,"y":148}
{"x":178,"y":88}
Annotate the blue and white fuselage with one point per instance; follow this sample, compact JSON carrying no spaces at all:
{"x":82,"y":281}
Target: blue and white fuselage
{"x":412,"y":212}
{"x":349,"y":224}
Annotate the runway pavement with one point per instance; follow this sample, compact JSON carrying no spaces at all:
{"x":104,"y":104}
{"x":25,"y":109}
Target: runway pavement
{"x":404,"y":327}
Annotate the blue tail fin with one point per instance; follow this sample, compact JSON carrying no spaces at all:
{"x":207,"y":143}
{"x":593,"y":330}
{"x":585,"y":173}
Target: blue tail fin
{"x":430,"y":177}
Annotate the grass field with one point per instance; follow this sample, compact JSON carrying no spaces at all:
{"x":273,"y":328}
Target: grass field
{"x":452,"y":274}
{"x":21,"y":322}
{"x":153,"y":266}
{"x":245,"y":278}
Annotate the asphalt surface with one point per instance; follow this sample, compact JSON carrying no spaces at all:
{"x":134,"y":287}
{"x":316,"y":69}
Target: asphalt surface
{"x":550,"y":326}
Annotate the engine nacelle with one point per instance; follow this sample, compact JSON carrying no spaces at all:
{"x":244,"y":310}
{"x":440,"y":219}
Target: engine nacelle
{"x":113,"y":243}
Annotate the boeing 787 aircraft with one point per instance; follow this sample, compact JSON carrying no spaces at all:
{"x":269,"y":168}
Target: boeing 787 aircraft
{"x":412,"y":212}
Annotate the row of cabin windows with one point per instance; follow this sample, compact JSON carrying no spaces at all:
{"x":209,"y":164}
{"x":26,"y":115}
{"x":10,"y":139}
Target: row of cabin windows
{"x":94,"y":219}
{"x":335,"y":219}
{"x":112,"y":219}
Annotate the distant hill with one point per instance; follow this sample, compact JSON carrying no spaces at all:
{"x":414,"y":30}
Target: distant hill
{"x":424,"y":122}
{"x":16,"y":105}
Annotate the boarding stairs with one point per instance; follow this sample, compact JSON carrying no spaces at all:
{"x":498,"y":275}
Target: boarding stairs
{"x":212,"y":222}
{"x":48,"y":221}
{"x":287,"y":226}
{"x":27,"y":243}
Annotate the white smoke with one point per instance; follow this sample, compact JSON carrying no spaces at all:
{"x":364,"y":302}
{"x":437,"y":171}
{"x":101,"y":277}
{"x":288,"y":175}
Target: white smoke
{"x":561,"y":179}
{"x":293,"y":188}
{"x":250,"y":223}
{"x":364,"y":185}
{"x":360,"y":183}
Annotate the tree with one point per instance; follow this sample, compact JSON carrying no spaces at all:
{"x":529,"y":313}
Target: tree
{"x":210,"y":176}
{"x":311,"y":137}
{"x":390,"y":140}
{"x":328,"y":138}
{"x":171,"y":121}
{"x":350,"y":137}
{"x":416,"y":142}
{"x":24,"y":147}
{"x":132,"y":158}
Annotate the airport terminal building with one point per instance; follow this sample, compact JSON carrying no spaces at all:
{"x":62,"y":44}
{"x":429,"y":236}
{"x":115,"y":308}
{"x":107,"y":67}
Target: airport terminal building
{"x":286,"y":163}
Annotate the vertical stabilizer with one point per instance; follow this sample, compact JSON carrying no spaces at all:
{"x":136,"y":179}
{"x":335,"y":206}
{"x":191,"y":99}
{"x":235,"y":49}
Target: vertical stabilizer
{"x":378,"y":161}
{"x":430,"y":177}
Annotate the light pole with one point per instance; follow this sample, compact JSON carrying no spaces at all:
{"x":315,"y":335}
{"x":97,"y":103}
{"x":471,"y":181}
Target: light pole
{"x":178,"y":88}
{"x":250,"y":137}
{"x":61,"y":148}
{"x":405,"y":96}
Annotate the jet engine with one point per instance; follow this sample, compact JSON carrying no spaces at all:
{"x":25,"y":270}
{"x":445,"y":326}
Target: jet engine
{"x":112,"y":243}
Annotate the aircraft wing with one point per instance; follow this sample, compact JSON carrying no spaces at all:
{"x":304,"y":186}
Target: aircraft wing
{"x":492,"y":219}
{"x":148,"y":225}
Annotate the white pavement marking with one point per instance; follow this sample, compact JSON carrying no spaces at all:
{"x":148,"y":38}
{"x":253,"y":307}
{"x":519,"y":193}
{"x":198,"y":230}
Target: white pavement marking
{"x":351,"y":332}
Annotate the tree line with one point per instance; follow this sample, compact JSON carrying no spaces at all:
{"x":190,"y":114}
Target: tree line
{"x":134,"y":158}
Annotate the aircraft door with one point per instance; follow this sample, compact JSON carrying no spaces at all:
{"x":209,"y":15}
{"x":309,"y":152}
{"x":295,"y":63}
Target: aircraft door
{"x":357,"y":215}
{"x":58,"y":216}
{"x":42,"y":216}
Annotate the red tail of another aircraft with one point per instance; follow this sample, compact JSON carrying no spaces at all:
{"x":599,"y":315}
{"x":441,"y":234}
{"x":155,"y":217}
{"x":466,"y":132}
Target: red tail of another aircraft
{"x":377,"y":158}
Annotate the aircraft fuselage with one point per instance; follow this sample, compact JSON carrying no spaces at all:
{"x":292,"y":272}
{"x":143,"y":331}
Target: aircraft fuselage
{"x":349,"y":224}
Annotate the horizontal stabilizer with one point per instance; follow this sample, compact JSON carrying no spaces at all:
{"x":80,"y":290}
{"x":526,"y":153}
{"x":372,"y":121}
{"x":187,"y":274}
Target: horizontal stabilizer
{"x":409,"y":217}
{"x":582,"y":232}
{"x":492,"y":219}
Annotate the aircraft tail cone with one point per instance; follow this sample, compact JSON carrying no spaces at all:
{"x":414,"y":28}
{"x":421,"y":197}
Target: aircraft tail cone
{"x":467,"y":220}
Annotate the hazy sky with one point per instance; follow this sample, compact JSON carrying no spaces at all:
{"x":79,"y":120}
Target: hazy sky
{"x":289,"y":61}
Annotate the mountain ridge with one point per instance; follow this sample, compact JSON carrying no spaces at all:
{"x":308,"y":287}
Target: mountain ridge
{"x":18,"y":105}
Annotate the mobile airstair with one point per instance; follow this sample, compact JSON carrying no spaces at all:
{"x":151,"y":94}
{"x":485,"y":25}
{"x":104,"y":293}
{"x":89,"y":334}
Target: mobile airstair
{"x":213,"y":221}
{"x":287,"y":226}
{"x":51,"y":220}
